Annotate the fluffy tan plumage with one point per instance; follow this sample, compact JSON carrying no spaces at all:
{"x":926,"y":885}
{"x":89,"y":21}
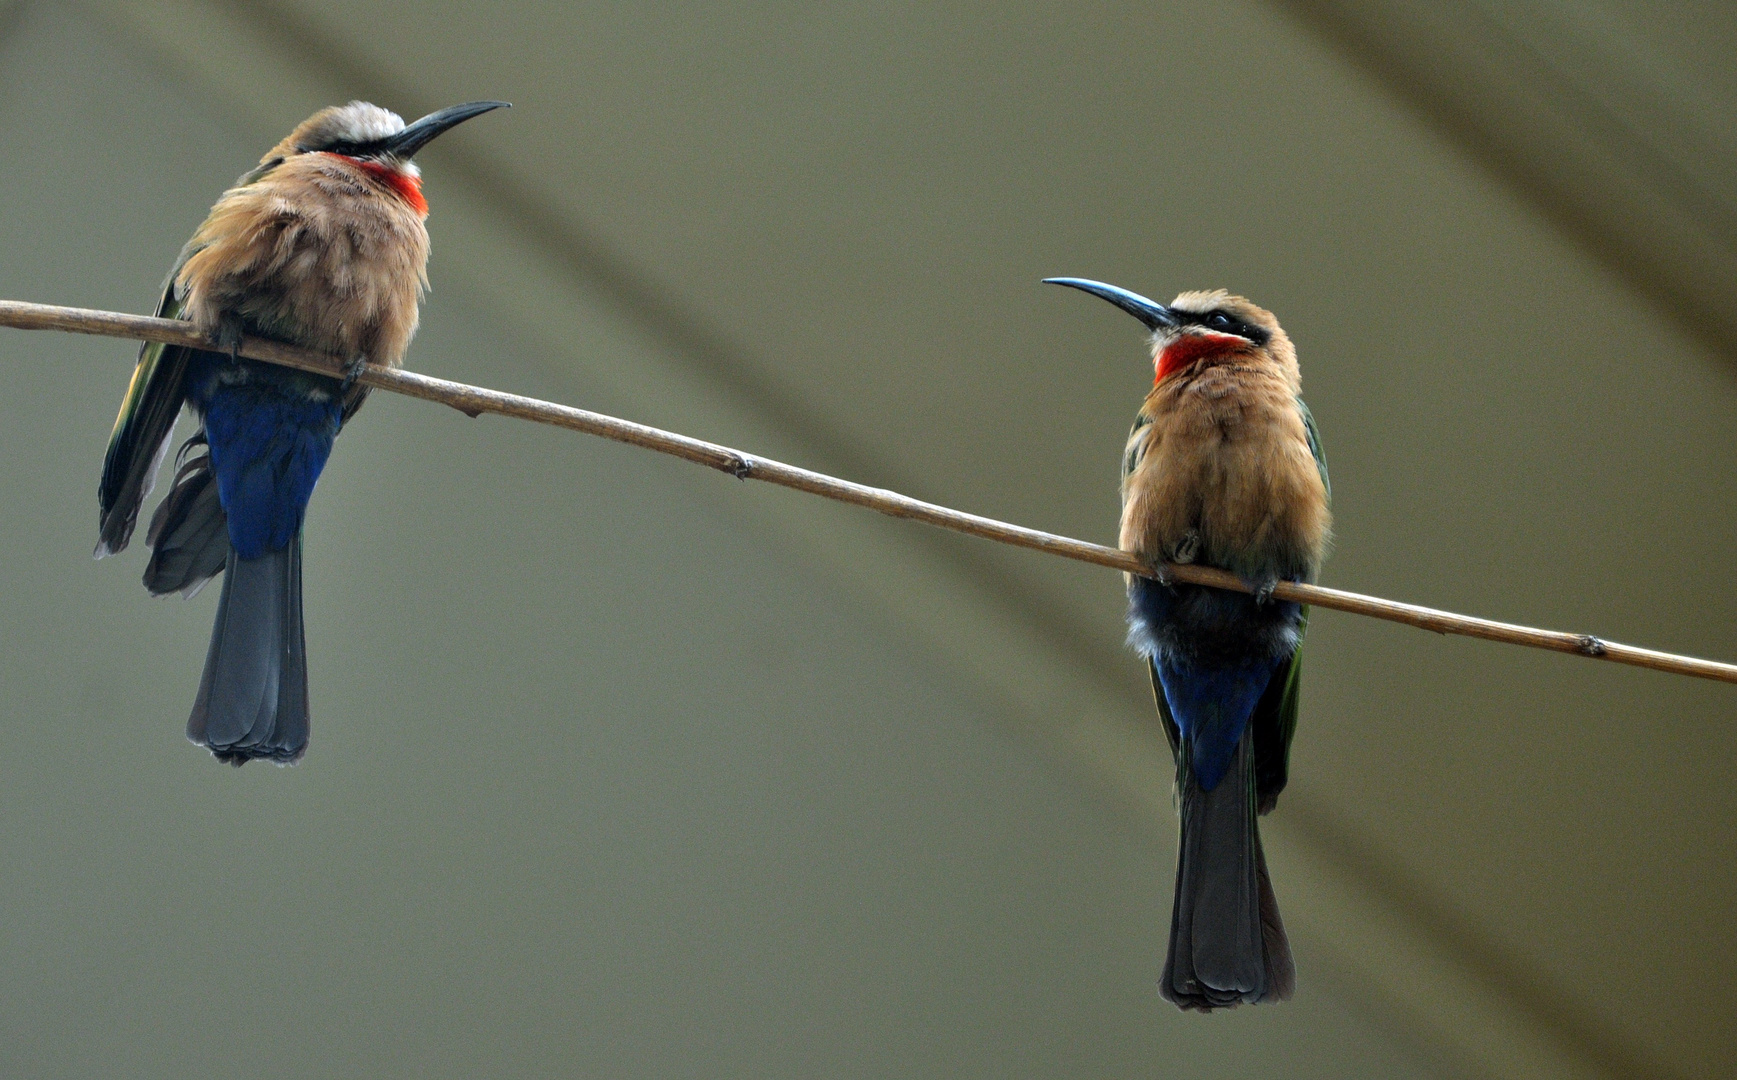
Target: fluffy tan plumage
{"x":319,"y":244}
{"x":1221,"y":456}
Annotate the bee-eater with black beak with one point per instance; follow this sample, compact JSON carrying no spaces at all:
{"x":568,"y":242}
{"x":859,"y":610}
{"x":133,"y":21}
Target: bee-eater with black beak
{"x":323,"y":245}
{"x":1223,"y":468}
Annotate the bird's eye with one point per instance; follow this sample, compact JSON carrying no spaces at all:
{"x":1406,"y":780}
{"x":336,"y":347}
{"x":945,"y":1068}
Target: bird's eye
{"x":1218,"y":320}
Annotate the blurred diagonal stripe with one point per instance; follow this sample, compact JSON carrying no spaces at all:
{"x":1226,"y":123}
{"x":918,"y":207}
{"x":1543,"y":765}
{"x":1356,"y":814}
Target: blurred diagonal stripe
{"x":1649,"y":199}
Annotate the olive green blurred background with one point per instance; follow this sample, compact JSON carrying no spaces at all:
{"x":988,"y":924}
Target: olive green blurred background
{"x":624,"y":769}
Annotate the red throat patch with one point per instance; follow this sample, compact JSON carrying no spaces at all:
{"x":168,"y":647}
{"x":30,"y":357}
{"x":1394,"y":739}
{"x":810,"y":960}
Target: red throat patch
{"x":1188,"y":348}
{"x":407,"y":187}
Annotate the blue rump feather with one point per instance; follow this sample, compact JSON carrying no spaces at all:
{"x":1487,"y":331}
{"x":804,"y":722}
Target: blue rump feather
{"x":1215,"y":652}
{"x":269,"y":438}
{"x":1212,"y":706}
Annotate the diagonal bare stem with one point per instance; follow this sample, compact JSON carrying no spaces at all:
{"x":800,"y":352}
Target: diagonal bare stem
{"x":475,"y":400}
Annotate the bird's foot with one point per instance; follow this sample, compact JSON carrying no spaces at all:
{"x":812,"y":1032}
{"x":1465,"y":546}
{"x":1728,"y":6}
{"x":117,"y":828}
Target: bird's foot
{"x":1262,"y":588}
{"x":229,"y":334}
{"x":1182,"y":553}
{"x":353,"y":371}
{"x":1186,"y":548}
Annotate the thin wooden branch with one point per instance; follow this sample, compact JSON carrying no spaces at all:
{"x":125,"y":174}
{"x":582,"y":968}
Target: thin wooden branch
{"x":475,"y":400}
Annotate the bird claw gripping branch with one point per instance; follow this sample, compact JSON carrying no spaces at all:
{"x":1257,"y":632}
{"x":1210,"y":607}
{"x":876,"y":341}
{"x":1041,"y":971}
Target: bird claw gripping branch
{"x":352,"y":371}
{"x":228,"y":335}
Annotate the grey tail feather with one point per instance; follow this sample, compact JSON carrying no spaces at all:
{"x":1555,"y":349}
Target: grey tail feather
{"x":1227,"y":944}
{"x":189,"y":534}
{"x":253,"y":698}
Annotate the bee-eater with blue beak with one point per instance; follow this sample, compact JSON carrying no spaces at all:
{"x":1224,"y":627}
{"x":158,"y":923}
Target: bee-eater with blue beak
{"x":1223,"y":468}
{"x":322,"y":245}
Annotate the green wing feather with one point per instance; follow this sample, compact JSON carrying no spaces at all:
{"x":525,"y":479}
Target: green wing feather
{"x":148,"y":413}
{"x":1136,"y":450}
{"x":1275,"y":715}
{"x":141,"y":434}
{"x":1275,"y":722}
{"x":1314,"y":434}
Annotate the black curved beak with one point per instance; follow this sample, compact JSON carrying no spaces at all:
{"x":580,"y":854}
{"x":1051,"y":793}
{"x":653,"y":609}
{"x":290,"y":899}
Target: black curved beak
{"x":1155,"y":316}
{"x":413,"y":138}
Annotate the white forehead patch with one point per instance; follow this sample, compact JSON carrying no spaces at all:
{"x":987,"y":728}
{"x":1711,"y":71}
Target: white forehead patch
{"x":357,"y":122}
{"x":1200,"y":302}
{"x":361,"y":122}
